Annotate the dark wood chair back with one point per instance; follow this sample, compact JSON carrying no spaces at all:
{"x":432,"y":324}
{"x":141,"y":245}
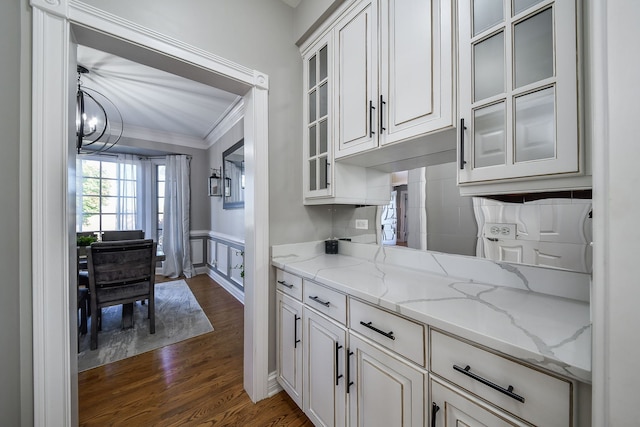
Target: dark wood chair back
{"x":110,"y":236}
{"x":121,"y":272}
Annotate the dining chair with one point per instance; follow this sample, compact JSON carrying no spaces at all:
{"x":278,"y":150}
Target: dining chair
{"x":121,"y":272}
{"x":109,"y":236}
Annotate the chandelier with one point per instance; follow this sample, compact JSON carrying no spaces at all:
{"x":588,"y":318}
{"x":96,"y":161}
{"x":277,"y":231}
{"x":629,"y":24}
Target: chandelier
{"x":96,"y":129}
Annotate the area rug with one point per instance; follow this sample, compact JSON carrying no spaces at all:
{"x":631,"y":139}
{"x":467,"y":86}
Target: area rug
{"x":178,"y":317}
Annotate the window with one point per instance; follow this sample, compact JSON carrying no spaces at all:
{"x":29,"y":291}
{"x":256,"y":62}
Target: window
{"x":160,"y":169}
{"x":106,"y":195}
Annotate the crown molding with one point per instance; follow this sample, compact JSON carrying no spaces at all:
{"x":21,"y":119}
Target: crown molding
{"x":233,"y":115}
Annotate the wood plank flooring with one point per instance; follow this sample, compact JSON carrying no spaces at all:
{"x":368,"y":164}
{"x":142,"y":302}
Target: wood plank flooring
{"x":197,"y":382}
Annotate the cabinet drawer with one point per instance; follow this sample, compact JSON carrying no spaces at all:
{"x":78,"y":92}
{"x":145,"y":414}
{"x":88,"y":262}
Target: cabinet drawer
{"x":289,"y":283}
{"x":394,"y":332}
{"x":536,"y":397}
{"x":325,"y":300}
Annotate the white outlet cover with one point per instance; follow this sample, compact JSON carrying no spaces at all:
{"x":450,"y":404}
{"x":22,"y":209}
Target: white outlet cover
{"x":500,"y":231}
{"x":362,"y":224}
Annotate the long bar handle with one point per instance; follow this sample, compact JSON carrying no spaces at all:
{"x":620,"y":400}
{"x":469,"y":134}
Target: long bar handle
{"x":326,"y":173}
{"x":381,"y":332}
{"x":434,"y":410}
{"x":371,"y":108}
{"x":295,"y":331}
{"x":462,"y":129}
{"x":338,"y":375}
{"x":508,"y":391}
{"x":382,"y":103}
{"x":283,"y":283}
{"x":349,"y":382}
{"x":319,"y":301}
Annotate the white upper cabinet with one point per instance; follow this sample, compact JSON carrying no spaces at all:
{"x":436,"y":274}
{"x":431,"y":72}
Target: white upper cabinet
{"x":518,"y":90}
{"x":324,"y":181}
{"x":394,"y":73}
{"x":318,"y":139}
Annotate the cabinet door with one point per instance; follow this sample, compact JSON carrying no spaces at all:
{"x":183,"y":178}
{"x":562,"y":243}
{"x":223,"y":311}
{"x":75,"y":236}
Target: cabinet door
{"x":289,"y":344}
{"x":356,"y":80}
{"x":518,"y":89}
{"x":416,"y":76}
{"x":385,"y":390}
{"x":451,"y":408}
{"x":318,"y":140}
{"x":325,"y":358}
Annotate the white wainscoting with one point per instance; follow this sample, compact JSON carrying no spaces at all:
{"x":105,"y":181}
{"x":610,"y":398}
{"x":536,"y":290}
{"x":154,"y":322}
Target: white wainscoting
{"x":224,"y":260}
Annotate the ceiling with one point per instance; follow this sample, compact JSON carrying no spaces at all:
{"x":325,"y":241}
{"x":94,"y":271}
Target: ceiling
{"x":155,"y":105}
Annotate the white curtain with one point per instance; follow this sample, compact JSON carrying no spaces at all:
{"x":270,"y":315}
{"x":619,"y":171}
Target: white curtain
{"x":176,"y":245}
{"x":129,"y":213}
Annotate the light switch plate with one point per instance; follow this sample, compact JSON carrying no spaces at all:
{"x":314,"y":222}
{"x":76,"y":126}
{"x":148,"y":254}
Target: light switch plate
{"x":362,"y":224}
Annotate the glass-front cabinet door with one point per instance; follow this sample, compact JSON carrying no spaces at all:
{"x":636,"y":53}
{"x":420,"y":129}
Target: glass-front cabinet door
{"x":518,"y":89}
{"x":317,"y":116}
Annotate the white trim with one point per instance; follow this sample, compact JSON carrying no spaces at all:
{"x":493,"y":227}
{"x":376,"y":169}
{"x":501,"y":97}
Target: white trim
{"x":256,"y":220}
{"x":55,"y":387}
{"x":274,"y":385}
{"x":146,"y":134}
{"x":600,"y":160}
{"x":233,"y":115}
{"x":228,"y":286}
{"x":52,"y":359}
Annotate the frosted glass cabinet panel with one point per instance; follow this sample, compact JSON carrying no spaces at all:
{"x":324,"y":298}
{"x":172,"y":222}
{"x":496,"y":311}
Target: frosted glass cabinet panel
{"x":317,"y":175}
{"x":533,"y":48}
{"x":518,"y":93}
{"x":488,"y":67}
{"x":489,"y":125}
{"x":535,"y":126}
{"x":486,"y":14}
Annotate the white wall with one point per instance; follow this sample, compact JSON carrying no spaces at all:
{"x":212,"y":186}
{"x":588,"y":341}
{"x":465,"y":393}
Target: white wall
{"x":226,"y":221}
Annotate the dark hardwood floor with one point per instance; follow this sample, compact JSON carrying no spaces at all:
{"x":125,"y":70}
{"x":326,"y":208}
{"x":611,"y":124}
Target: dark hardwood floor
{"x":197,"y":382}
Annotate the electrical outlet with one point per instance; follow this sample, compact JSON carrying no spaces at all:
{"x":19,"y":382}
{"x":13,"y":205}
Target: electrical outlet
{"x":362,"y":224}
{"x":500,"y":231}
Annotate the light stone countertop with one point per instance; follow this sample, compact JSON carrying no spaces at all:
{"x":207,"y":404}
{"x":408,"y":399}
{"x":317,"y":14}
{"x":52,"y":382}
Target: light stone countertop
{"x":545,"y":330}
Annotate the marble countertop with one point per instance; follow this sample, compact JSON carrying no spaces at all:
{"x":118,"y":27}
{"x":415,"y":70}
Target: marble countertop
{"x":545,"y":330}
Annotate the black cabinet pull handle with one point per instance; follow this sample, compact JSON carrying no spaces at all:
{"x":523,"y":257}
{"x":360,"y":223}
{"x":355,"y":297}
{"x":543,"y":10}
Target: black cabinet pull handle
{"x":338,"y":375}
{"x":381,"y":332}
{"x":349,"y":382}
{"x":462,"y":129}
{"x":319,"y":301}
{"x":326,"y":173}
{"x":371,"y":108}
{"x":283,"y":283}
{"x":382,"y":103}
{"x":508,"y":391}
{"x":434,"y":410}
{"x":295,"y":331}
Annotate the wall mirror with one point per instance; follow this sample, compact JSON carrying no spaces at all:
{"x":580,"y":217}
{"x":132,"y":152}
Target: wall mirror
{"x":233,"y":173}
{"x":426,"y":212}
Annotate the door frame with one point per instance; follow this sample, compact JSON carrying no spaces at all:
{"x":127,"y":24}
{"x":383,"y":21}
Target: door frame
{"x":57,"y":26}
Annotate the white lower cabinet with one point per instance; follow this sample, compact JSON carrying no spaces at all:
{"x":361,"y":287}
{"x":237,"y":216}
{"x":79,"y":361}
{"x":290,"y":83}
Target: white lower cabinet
{"x":289,"y":343}
{"x":454,"y":408}
{"x":385,"y":391}
{"x":325,"y":376}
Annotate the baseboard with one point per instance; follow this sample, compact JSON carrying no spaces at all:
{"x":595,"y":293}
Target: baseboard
{"x":273,"y":386}
{"x":228,"y":286}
